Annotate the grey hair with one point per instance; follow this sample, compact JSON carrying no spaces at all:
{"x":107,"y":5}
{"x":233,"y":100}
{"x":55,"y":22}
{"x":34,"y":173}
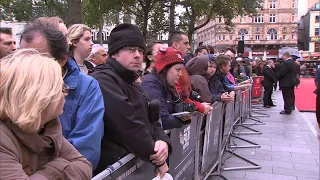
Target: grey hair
{"x":94,"y":51}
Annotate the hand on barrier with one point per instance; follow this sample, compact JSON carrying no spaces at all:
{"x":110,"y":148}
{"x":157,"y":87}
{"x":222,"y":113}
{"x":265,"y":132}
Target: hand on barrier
{"x":161,"y":149}
{"x":161,"y":171}
{"x":186,"y":118}
{"x":207,"y":108}
{"x":245,"y":82}
{"x":225,"y":97}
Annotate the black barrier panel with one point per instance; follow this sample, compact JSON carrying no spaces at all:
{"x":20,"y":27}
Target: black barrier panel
{"x":181,"y":161}
{"x":245,"y":104}
{"x":237,"y":106}
{"x":211,"y":138}
{"x":228,"y":122}
{"x":129,"y":168}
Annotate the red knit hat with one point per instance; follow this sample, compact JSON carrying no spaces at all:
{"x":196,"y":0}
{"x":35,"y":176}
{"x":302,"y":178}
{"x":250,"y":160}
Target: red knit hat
{"x":168,"y":57}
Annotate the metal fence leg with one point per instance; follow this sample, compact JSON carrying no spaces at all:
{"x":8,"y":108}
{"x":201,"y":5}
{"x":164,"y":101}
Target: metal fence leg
{"x":257,"y":132}
{"x":254,"y":165}
{"x":257,"y":121}
{"x":254,"y":145}
{"x":259,"y":114}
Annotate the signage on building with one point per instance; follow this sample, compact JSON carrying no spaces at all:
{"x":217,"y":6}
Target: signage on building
{"x":291,"y":50}
{"x":315,"y":38}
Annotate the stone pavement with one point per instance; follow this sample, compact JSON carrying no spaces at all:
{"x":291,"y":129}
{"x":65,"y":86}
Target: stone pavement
{"x":289,"y":148}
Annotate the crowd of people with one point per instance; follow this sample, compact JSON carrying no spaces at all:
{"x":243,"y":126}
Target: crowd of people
{"x":69,"y":108}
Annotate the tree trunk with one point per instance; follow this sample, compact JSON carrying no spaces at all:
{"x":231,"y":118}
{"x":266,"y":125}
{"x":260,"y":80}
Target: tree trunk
{"x":145,"y":22}
{"x":172,"y":25}
{"x":74,"y":12}
{"x":100,"y":40}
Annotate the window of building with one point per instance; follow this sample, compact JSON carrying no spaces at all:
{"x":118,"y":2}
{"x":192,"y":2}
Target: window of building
{"x":293,"y":3}
{"x":316,"y":47}
{"x":317,"y":18}
{"x":220,"y":19}
{"x":293,"y":17}
{"x":284,"y":37}
{"x":317,"y":31}
{"x":218,"y":38}
{"x":258,"y":37}
{"x":292,"y":36}
{"x":272,"y":4}
{"x":224,"y":37}
{"x":243,"y":34}
{"x":231,"y":37}
{"x":284,"y":29}
{"x":272,"y":18}
{"x":272,"y":34}
{"x":258,"y":18}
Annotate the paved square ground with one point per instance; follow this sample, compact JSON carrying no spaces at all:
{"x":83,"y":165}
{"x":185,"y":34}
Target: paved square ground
{"x":289,"y":148}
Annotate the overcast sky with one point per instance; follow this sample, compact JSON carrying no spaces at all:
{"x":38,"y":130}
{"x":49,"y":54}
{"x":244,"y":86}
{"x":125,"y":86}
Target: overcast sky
{"x":302,"y":7}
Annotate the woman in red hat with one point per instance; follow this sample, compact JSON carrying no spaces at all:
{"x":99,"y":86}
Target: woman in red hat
{"x":160,"y":84}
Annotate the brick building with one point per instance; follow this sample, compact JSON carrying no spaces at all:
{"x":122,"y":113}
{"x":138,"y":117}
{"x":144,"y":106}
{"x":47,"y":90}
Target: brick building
{"x":273,"y":28}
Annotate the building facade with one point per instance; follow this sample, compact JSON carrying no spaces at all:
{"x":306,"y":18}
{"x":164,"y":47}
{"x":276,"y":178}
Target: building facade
{"x":274,"y":27}
{"x":309,"y":30}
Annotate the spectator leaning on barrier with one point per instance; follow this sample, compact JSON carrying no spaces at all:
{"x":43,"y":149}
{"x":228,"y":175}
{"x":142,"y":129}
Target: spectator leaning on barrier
{"x":82,"y":118}
{"x":198,"y":69}
{"x":7,"y":43}
{"x":129,"y":127}
{"x":216,"y":85}
{"x":180,"y":41}
{"x":32,"y":95}
{"x":160,"y":84}
{"x":81,"y":45}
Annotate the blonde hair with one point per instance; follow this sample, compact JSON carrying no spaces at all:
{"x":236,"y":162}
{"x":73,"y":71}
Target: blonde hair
{"x":30,"y":85}
{"x":75,"y":32}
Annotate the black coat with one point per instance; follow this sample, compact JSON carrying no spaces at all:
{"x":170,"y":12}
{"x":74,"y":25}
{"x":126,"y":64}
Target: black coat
{"x":288,"y":74}
{"x":269,"y":77}
{"x":155,"y":89}
{"x":127,"y":127}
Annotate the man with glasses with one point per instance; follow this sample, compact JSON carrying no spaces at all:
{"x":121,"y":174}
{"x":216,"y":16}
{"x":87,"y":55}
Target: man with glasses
{"x":127,"y":121}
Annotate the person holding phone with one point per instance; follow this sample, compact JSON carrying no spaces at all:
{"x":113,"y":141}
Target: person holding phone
{"x":160,"y":84}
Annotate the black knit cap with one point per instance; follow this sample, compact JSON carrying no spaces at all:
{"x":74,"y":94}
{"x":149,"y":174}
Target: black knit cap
{"x":125,"y":35}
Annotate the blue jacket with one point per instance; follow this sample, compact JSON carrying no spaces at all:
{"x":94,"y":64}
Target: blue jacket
{"x":154,"y":88}
{"x":82,"y":118}
{"x":229,"y":84}
{"x":216,"y":85}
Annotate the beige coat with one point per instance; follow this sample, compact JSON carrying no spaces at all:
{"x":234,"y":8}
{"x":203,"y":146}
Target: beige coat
{"x":49,"y":155}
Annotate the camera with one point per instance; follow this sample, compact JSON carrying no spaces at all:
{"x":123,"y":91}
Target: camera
{"x":195,"y":96}
{"x":184,"y":107}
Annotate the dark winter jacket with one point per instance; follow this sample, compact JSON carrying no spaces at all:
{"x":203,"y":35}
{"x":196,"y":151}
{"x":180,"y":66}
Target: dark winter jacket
{"x":127,"y":127}
{"x":288,"y":74}
{"x":155,"y":89}
{"x":197,"y":69}
{"x":216,"y":85}
{"x":269,"y":77}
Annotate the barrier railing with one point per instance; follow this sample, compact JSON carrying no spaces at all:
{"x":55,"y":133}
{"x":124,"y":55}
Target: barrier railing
{"x":197,"y":147}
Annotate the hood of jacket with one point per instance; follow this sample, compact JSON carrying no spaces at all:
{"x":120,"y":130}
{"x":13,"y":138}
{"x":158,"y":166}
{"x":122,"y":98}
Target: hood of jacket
{"x":198,"y":65}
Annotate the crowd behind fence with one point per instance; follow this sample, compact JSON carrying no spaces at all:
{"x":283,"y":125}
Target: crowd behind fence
{"x":197,"y":147}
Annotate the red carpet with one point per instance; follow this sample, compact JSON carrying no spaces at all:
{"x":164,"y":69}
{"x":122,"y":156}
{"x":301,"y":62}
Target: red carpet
{"x":305,"y":98}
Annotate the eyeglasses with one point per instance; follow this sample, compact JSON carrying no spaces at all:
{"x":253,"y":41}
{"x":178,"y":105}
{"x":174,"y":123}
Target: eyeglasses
{"x":65,"y":89}
{"x":134,"y":49}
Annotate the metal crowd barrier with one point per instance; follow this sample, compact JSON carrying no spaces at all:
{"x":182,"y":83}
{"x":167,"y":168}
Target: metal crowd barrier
{"x":197,"y":147}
